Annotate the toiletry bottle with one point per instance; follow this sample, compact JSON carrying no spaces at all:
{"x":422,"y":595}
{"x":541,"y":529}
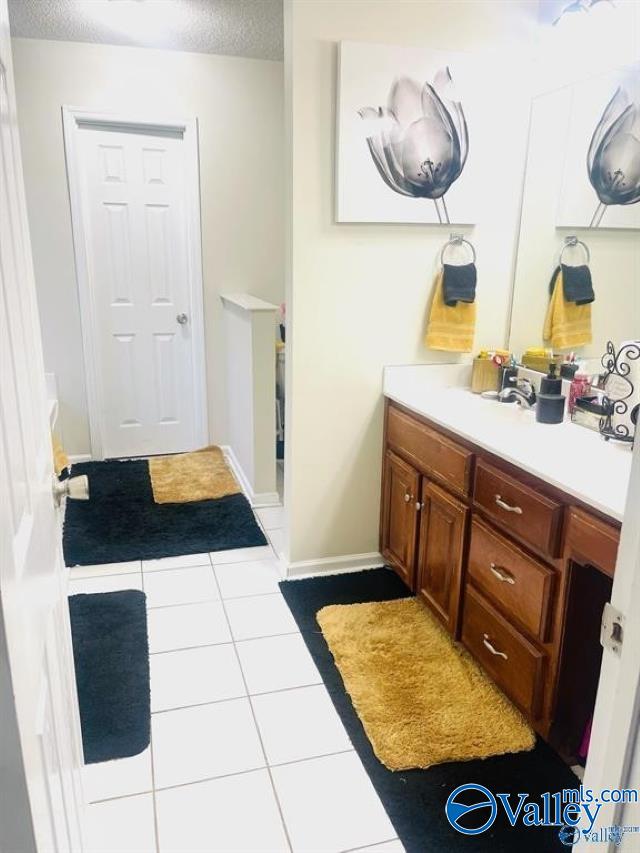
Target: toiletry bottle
{"x":551,"y":401}
{"x":580,"y":387}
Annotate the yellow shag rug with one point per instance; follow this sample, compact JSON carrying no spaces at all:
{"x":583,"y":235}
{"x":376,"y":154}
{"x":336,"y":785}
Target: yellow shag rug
{"x":199,"y":476}
{"x":421,"y":699}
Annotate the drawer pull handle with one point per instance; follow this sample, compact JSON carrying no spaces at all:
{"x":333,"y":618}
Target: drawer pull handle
{"x":502,"y":575}
{"x":507,"y":507}
{"x":408,"y":498}
{"x":492,"y":648}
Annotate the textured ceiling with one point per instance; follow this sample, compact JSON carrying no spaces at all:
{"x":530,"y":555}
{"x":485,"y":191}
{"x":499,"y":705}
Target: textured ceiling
{"x":233,"y":27}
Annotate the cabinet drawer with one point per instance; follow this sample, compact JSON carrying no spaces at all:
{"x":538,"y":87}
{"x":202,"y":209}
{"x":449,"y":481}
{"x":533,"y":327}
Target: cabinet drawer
{"x":514,"y":663}
{"x":592,"y":540}
{"x":519,"y":509}
{"x":519,"y":586}
{"x":429,"y":450}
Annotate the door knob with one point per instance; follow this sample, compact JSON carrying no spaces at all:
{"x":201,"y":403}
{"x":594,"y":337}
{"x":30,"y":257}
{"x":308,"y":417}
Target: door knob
{"x":75,"y":488}
{"x":182,"y":319}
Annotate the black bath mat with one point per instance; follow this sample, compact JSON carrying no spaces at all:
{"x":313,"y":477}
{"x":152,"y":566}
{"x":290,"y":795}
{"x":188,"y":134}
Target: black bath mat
{"x":415,"y":799}
{"x":122,"y":521}
{"x":111,"y":654}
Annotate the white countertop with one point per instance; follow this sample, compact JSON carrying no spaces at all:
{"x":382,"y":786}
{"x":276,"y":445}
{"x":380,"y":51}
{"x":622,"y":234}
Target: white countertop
{"x":572,"y":458}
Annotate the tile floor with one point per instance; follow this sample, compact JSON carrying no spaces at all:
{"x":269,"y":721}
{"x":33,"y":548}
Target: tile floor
{"x":247,"y":753}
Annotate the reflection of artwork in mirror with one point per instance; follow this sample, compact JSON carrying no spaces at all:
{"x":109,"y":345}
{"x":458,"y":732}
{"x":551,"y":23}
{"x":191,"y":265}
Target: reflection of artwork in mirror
{"x":402,"y":136}
{"x":601,"y":179}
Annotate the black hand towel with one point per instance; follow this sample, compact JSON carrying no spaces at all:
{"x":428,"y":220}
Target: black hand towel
{"x":577,"y":283}
{"x":458,"y":283}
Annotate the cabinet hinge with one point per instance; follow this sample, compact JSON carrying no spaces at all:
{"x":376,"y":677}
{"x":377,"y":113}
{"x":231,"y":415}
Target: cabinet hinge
{"x":612,"y":629}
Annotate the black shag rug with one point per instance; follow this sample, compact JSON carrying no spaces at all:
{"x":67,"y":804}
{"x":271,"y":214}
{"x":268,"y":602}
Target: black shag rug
{"x":111,"y":654}
{"x":415,"y":799}
{"x":121,"y":521}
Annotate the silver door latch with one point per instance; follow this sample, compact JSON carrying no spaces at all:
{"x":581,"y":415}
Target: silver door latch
{"x":612,"y":629}
{"x":75,"y":488}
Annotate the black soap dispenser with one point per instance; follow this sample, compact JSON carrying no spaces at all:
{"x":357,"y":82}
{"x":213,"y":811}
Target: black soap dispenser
{"x":551,"y":401}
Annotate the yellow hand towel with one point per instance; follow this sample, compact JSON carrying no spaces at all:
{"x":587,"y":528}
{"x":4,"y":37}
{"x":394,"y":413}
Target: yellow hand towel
{"x":450,"y":328}
{"x":567,"y":325}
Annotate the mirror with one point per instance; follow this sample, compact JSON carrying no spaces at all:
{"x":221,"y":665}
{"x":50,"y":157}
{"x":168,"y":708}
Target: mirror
{"x":582,"y":181}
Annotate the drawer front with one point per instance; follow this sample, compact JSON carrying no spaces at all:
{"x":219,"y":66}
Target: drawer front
{"x":514,"y":663}
{"x":429,"y":450}
{"x":592,"y":540}
{"x":519,"y":509}
{"x":522,"y":588}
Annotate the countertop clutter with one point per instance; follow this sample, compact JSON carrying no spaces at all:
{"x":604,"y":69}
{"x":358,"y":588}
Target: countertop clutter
{"x":567,"y":456}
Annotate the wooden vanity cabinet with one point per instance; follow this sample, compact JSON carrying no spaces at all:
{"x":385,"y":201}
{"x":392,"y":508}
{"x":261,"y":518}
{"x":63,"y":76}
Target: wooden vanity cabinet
{"x":509,"y":565}
{"x":399,"y":518}
{"x":422,"y":535}
{"x":422,"y":525}
{"x":443,"y":522}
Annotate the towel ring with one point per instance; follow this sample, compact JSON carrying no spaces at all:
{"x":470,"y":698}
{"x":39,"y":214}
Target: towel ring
{"x":457,"y":240}
{"x":570,"y":242}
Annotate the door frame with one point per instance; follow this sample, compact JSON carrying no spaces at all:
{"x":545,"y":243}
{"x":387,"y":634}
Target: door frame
{"x":616,"y":717}
{"x":73,"y":118}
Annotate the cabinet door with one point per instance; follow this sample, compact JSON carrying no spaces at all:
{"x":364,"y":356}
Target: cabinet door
{"x":400,"y":495}
{"x":442,"y":533}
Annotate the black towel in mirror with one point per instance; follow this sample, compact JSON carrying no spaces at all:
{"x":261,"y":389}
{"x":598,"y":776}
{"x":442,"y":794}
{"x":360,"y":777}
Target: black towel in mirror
{"x":577,"y":284}
{"x":458,"y":283}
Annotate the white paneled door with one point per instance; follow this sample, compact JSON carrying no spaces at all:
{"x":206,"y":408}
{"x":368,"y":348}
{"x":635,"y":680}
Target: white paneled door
{"x":134,"y":195}
{"x":40,"y":746}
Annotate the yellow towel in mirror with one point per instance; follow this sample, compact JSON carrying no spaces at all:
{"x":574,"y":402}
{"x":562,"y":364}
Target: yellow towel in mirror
{"x":567,"y":325}
{"x":450,"y":328}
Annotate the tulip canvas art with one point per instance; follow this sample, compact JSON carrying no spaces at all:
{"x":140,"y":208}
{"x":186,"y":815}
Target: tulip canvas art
{"x":419,"y":142}
{"x":601,"y":180}
{"x":407,"y":148}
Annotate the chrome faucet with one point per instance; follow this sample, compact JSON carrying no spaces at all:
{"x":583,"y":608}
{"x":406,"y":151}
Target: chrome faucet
{"x":522,"y":393}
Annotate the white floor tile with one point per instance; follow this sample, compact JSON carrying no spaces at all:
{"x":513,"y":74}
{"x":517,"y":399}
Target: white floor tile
{"x":176,"y":562}
{"x":108,"y":583}
{"x":117,"y":778}
{"x":252,"y":578}
{"x":276,"y":537}
{"x":104,"y":569}
{"x":343,"y":812}
{"x":238,"y":814}
{"x":276,"y":663}
{"x":195,"y":676}
{"x":241,"y":555}
{"x":121,"y":826}
{"x":259,"y":616}
{"x":318,"y":730}
{"x":200,"y":743}
{"x":271,"y":517}
{"x":186,"y":626}
{"x":180,"y":586}
{"x":395,"y":846}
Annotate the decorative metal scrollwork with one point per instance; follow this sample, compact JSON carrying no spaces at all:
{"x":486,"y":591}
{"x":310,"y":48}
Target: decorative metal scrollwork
{"x":618,"y":365}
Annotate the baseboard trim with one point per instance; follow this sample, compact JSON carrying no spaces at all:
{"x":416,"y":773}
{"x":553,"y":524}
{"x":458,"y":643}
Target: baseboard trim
{"x":79,"y":457}
{"x":256,"y":499}
{"x":334,"y":565}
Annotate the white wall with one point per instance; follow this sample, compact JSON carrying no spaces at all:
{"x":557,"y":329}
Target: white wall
{"x":357,"y":294}
{"x":239,"y":106}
